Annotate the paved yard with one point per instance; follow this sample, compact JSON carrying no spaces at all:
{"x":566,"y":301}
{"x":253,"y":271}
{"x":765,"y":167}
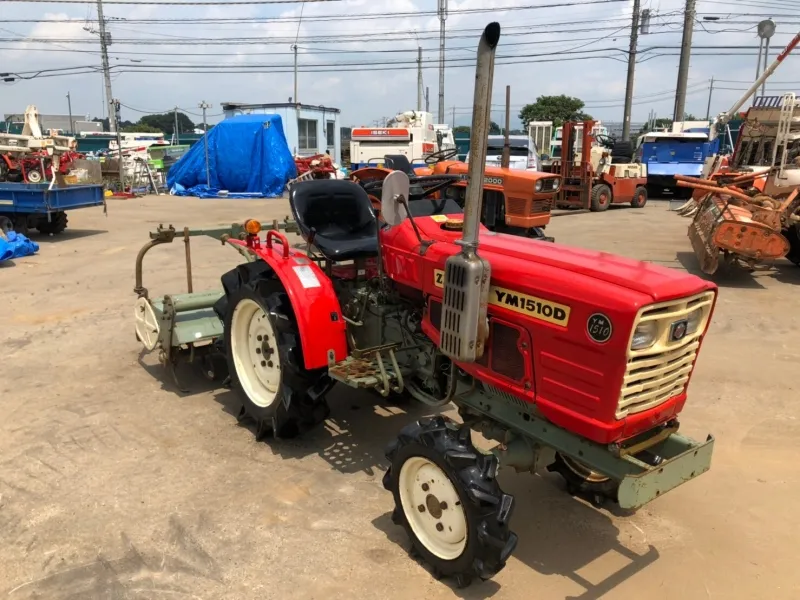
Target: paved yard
{"x":114,"y":486}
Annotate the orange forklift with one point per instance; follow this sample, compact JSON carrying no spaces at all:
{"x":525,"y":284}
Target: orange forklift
{"x":596,"y":171}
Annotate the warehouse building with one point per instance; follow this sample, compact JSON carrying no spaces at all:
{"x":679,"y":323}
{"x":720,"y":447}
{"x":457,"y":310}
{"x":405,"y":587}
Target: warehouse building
{"x":309,"y":129}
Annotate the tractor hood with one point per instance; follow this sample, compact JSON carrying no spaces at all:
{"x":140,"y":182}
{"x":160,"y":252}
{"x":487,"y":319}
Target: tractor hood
{"x":659,"y":283}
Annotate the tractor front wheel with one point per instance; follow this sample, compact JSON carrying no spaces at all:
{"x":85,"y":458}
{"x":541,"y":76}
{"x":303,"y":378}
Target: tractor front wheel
{"x":265,"y":361}
{"x":639,"y":197}
{"x":582,"y":480}
{"x":34,"y":176}
{"x":448,"y":500}
{"x":601,"y":197}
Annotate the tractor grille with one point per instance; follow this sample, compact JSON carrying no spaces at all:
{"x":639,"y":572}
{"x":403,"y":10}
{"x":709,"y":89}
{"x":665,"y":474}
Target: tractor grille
{"x":517,"y":207}
{"x":658,"y":373}
{"x":541,"y":206}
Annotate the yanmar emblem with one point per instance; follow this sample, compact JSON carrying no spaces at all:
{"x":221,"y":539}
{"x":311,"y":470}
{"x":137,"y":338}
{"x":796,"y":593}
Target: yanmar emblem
{"x":530,"y":306}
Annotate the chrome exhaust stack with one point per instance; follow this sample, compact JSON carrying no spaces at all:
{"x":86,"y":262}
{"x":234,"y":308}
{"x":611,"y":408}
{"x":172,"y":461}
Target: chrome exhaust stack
{"x":467,"y":276}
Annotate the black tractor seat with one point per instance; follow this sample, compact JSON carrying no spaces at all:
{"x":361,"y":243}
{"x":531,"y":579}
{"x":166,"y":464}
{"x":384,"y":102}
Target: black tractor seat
{"x":336,"y":216}
{"x":398,"y":162}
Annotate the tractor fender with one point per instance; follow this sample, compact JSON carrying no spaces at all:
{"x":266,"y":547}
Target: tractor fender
{"x":314,"y":302}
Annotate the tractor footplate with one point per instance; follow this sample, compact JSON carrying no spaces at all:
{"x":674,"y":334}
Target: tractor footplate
{"x":359,"y":372}
{"x":378,"y":372}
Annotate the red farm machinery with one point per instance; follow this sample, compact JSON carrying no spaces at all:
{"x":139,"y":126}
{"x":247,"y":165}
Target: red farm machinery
{"x":573,"y":361}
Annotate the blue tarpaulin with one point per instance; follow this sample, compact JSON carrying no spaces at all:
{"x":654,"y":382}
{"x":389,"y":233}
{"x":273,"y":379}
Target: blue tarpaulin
{"x":16,"y":245}
{"x":246,"y":154}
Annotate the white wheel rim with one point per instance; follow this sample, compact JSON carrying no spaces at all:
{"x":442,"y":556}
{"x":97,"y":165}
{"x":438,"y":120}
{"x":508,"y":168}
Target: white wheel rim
{"x":433,"y":508}
{"x":147,"y":327}
{"x":34,"y":177}
{"x":255,"y":353}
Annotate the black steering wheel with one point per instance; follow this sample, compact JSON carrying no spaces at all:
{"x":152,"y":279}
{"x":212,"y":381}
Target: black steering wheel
{"x":605,"y":141}
{"x":419,"y":188}
{"x":441,"y":155}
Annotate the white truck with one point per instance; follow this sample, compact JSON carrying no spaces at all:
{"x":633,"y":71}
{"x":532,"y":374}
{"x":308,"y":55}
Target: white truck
{"x":412,"y":134}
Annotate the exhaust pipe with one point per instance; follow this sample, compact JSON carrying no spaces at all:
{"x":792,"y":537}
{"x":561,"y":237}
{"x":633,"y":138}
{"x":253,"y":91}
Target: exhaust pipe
{"x":479,"y":138}
{"x":467,"y":277}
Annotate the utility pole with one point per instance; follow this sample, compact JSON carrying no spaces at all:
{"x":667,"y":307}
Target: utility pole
{"x":419,"y":78}
{"x":442,"y":19}
{"x":454,"y":117}
{"x":177,"y":138}
{"x":427,"y":99}
{"x":71,"y":123}
{"x":115,"y":104}
{"x":626,"y":119}
{"x":294,"y":47}
{"x":506,"y":158}
{"x":104,"y":40}
{"x":683,"y":67}
{"x":710,"y":91}
{"x":204,"y":105}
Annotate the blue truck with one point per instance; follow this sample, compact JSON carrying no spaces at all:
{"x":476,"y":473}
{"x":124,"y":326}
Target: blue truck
{"x":25,"y":206}
{"x":667,"y":154}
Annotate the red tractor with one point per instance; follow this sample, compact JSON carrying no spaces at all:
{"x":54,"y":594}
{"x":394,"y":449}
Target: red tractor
{"x":575,"y":361}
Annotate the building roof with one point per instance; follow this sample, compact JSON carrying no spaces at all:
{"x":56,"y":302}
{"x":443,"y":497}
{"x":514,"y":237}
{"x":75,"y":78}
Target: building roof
{"x":240,"y":105}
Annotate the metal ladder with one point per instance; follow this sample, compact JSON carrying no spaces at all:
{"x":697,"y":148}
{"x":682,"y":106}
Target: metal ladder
{"x":782,"y":137}
{"x":368,"y":369}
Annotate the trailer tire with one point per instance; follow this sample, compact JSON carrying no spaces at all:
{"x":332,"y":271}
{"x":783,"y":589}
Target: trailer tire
{"x":470,"y":503}
{"x":601,"y":197}
{"x":57,"y":224}
{"x":21,"y":224}
{"x":265,"y":357}
{"x":5,"y":225}
{"x":639,"y":197}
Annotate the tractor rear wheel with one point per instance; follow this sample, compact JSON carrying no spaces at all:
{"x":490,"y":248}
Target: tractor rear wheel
{"x":601,"y":197}
{"x":448,"y":500}
{"x":582,"y":480}
{"x":793,"y":236}
{"x":57,"y":224}
{"x":639,"y":197}
{"x":265,"y":360}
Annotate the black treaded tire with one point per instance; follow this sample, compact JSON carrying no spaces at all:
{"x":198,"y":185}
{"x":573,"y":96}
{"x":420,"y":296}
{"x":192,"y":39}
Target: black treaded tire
{"x":3,"y":170}
{"x":57,"y":223}
{"x":601,"y":198}
{"x":639,"y":197}
{"x":488,"y":510}
{"x":595,"y":491}
{"x":300,"y":404}
{"x":793,"y":236}
{"x":6,"y":224}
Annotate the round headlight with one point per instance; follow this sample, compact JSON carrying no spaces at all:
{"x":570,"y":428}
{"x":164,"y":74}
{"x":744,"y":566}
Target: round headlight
{"x":644,"y":335}
{"x":538,"y":186}
{"x":556,"y":184}
{"x":693,"y":320}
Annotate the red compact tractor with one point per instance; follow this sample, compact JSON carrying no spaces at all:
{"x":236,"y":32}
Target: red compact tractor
{"x":575,"y":361}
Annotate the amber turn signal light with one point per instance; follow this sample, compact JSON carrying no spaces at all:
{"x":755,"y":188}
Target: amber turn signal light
{"x":252,"y":227}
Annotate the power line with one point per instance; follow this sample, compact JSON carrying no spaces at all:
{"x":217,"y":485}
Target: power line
{"x":172,"y":4}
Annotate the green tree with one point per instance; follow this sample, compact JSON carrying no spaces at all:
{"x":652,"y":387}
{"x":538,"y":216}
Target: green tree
{"x":165,"y":123}
{"x":461,"y":129}
{"x":140,"y":128}
{"x":494,"y":128}
{"x":554,"y":108}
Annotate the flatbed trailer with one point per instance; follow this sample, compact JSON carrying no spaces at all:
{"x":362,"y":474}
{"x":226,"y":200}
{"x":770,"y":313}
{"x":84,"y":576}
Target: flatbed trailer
{"x":33,"y":205}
